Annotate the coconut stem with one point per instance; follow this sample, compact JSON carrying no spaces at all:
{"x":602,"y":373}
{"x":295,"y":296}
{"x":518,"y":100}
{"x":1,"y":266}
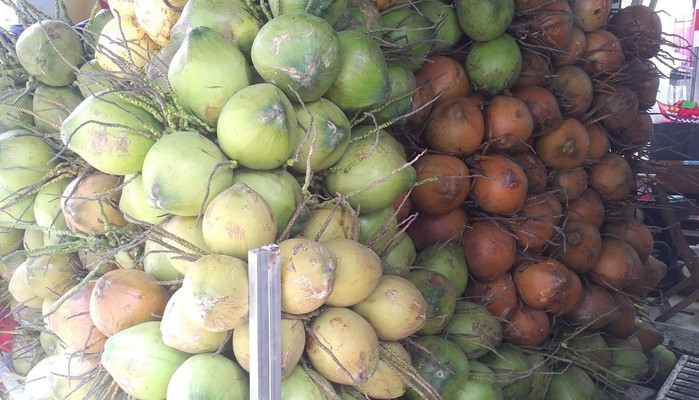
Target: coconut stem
{"x":75,"y":289}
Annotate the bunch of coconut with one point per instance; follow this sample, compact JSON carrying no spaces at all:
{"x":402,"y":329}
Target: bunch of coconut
{"x":533,"y":173}
{"x":130,"y":212}
{"x":436,"y":186}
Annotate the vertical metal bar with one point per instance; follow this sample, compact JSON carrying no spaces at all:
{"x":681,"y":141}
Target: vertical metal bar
{"x":265,"y":320}
{"x":275,"y":322}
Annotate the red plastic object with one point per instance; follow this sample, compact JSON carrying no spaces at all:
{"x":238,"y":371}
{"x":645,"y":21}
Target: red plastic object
{"x":7,"y":325}
{"x":682,"y":111}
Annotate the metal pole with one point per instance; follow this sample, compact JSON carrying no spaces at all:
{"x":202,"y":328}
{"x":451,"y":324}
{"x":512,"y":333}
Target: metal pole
{"x":265,"y":323}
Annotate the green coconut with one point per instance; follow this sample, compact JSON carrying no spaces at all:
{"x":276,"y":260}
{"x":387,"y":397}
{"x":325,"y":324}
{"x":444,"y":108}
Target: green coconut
{"x":134,"y":204}
{"x":494,"y":65}
{"x":10,"y":262}
{"x":542,"y":375}
{"x":157,"y":67}
{"x":370,"y":175}
{"x":381,"y":135}
{"x":360,"y":15}
{"x":92,"y":79}
{"x":443,"y":16}
{"x":201,"y":377}
{"x":257,"y":117}
{"x":110,"y":133}
{"x":140,"y":363}
{"x":47,"y":205}
{"x":50,"y":276}
{"x":206,"y":71}
{"x":629,"y":366}
{"x":156,"y":263}
{"x":20,"y":291}
{"x":25,"y":158}
{"x":51,"y":51}
{"x":299,"y":53}
{"x":215,"y":292}
{"x":293,"y":337}
{"x":33,"y":239}
{"x":50,"y":343}
{"x":409,"y":35}
{"x":231,"y":19}
{"x":238,"y":220}
{"x":52,"y":105}
{"x":15,"y":110}
{"x":307,"y":275}
{"x":376,"y":228}
{"x":278,"y":187}
{"x":662,"y":360}
{"x":484,"y":20}
{"x":512,"y":370}
{"x":25,"y":352}
{"x":329,"y":10}
{"x":16,"y":207}
{"x":73,"y":376}
{"x":93,"y":28}
{"x":447,"y":259}
{"x":403,"y":86}
{"x":589,"y":346}
{"x":440,"y":296}
{"x":573,"y":383}
{"x":465,"y":387}
{"x":300,"y":385}
{"x":398,"y":258}
{"x":37,"y":385}
{"x":200,"y":167}
{"x":321,"y":137}
{"x":10,"y":240}
{"x":474,"y":329}
{"x":435,"y":359}
{"x":300,"y":220}
{"x":481,"y":371}
{"x":362,"y":80}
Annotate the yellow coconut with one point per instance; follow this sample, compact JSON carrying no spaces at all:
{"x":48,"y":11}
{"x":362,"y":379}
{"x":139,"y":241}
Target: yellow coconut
{"x":157,"y":17}
{"x":215,"y":292}
{"x":343,"y":346}
{"x":396,"y":308}
{"x":181,"y":332}
{"x":123,"y":45}
{"x":331,"y":222}
{"x":386,"y":383}
{"x":190,"y":246}
{"x":50,"y":276}
{"x":238,"y":220}
{"x":122,"y":8}
{"x":73,"y":375}
{"x":357,"y":272}
{"x":307,"y":275}
{"x":20,"y":291}
{"x":293,"y":336}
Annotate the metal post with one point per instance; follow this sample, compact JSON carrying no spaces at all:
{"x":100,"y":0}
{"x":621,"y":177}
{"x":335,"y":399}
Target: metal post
{"x":265,"y":323}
